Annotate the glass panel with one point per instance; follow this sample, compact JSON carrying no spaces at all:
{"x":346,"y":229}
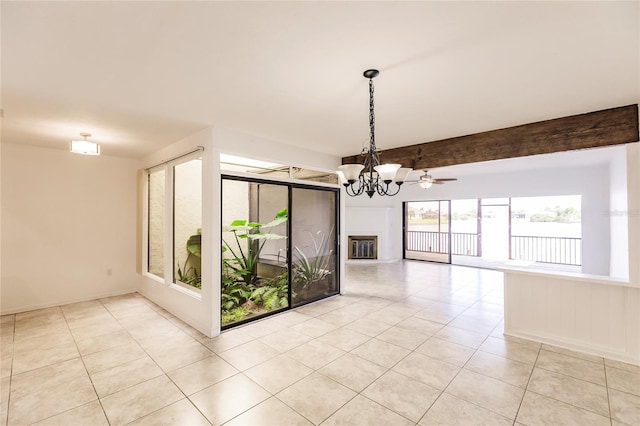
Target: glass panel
{"x":464,"y":227}
{"x":155,"y":225}
{"x":255,"y":279}
{"x":314,"y":175}
{"x":313,"y":227}
{"x":427,"y":236}
{"x":547,"y":229}
{"x":187,"y":222}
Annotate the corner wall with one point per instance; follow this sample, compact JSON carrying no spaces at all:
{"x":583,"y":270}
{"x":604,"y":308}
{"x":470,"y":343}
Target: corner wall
{"x":68,"y":227}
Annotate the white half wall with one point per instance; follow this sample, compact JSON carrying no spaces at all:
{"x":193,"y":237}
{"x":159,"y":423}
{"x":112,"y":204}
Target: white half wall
{"x":68,"y":227}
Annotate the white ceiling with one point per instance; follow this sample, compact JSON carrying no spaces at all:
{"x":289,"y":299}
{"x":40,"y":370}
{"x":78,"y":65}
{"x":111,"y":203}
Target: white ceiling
{"x":141,"y":75}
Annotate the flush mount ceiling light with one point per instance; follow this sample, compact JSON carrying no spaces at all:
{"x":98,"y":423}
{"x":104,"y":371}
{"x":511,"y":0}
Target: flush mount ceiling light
{"x":85,"y":147}
{"x":371,"y":177}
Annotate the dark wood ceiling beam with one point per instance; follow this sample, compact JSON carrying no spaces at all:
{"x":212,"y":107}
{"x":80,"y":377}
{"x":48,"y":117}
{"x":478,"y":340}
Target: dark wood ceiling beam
{"x":595,"y":129}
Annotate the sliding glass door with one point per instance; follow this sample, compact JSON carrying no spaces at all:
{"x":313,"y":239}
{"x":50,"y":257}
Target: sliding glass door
{"x":426,"y":231}
{"x":279,"y":247}
{"x":314,"y":244}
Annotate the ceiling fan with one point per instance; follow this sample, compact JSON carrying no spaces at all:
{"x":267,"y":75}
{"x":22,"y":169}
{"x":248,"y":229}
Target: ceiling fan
{"x":426,"y":180}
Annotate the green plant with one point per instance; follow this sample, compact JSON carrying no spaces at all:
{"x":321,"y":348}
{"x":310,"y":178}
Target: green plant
{"x":273,"y":293}
{"x":232,"y":315}
{"x":244,"y":262}
{"x":189,"y":273}
{"x":313,"y":268}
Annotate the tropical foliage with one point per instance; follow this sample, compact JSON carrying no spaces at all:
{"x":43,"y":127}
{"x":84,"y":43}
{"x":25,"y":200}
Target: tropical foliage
{"x":243,"y":290}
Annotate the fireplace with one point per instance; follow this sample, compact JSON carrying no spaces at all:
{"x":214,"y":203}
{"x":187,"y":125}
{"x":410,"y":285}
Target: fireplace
{"x":363,"y":247}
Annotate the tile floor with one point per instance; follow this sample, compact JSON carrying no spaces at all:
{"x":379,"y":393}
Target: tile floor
{"x":411,"y":343}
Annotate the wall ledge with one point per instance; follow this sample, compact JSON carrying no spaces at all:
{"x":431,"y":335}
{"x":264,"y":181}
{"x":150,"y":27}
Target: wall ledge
{"x":570,"y":276}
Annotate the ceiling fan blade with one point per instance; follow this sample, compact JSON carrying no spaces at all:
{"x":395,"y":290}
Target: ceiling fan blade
{"x":446,"y":180}
{"x":435,"y":182}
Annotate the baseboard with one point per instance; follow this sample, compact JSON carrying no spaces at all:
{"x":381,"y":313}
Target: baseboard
{"x":578,"y":347}
{"x":67,"y":301}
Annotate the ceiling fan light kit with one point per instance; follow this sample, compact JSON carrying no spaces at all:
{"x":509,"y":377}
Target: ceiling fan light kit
{"x":371,"y":177}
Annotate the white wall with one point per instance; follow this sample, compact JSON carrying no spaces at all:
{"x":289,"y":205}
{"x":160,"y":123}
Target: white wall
{"x":618,"y":217}
{"x":633,"y":210}
{"x":589,"y":182}
{"x":68,"y":227}
{"x":203,"y":312}
{"x":191,"y":306}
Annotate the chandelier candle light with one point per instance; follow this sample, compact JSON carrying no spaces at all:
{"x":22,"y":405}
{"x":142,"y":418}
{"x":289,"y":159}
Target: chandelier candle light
{"x":372,"y":177}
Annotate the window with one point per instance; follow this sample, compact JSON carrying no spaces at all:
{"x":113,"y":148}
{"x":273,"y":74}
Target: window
{"x":187,"y":222}
{"x":155,"y":224}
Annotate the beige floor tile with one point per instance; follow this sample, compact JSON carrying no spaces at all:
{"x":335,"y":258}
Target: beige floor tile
{"x":427,"y":370}
{"x":42,"y":404}
{"x":315,"y":327}
{"x":88,"y":414}
{"x":623,"y":380}
{"x":124,"y":375}
{"x":540,"y":410}
{"x":58,"y":338}
{"x":353,"y":372}
{"x":511,"y":350}
{"x":368,"y":326}
{"x":316,"y":397}
{"x":571,"y":366}
{"x":109,"y":358}
{"x":278,"y":373}
{"x":7,"y":319}
{"x":344,"y":338}
{"x":315,"y":354}
{"x":179,"y":413}
{"x":377,"y":302}
{"x":182,"y":355}
{"x":104,"y":342}
{"x":4,"y":389}
{"x":47,"y":377}
{"x":482,"y":323}
{"x":393,"y":314}
{"x":407,"y":339}
{"x":99,"y":329}
{"x":574,"y":354}
{"x":421,"y":326}
{"x":449,"y":410}
{"x":39,"y":330}
{"x":271,"y":412}
{"x":486,"y":392}
{"x":228,"y":340}
{"x":249,"y":354}
{"x":228,"y":398}
{"x":137,"y":401}
{"x":363,"y":411}
{"x":625,"y":407}
{"x":507,"y":370}
{"x":90,"y":320}
{"x":6,"y":362}
{"x":202,"y":374}
{"x":382,"y":353}
{"x":4,"y":412}
{"x":402,"y":395}
{"x":442,"y":350}
{"x":577,"y":392}
{"x":285,"y":340}
{"x":32,"y":360}
{"x":340,"y":316}
{"x":622,"y":365}
{"x":461,"y":336}
{"x":440,"y":312}
{"x":160,"y":340}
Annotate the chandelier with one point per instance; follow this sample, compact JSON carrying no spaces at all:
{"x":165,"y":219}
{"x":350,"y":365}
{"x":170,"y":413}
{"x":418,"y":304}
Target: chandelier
{"x":371,"y":177}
